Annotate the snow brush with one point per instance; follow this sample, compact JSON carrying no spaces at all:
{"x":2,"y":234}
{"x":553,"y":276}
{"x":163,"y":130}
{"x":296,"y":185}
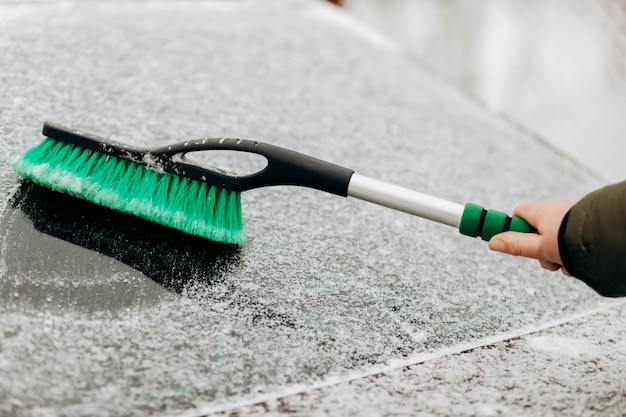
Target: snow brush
{"x":162,"y":186}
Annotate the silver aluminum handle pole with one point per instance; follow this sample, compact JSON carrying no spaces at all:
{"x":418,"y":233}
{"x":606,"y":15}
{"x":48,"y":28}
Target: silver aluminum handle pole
{"x":405,"y":200}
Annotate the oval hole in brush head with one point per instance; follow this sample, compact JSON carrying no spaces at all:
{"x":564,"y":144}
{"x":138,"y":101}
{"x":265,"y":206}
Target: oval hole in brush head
{"x":233,"y":163}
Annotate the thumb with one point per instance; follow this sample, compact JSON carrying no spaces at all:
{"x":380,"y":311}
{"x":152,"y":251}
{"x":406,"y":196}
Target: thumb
{"x":527,"y":245}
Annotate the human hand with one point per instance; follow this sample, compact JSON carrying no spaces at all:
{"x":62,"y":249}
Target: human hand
{"x":546,"y":217}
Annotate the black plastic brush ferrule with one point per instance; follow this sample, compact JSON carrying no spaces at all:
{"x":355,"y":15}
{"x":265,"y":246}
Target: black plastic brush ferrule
{"x":284,"y":167}
{"x":95,"y":143}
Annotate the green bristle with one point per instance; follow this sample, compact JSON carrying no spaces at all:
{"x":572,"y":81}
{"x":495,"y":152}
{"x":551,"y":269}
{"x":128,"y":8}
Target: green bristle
{"x":178,"y":202}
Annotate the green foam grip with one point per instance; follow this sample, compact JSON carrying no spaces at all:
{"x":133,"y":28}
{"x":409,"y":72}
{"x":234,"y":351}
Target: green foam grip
{"x":477,"y":221}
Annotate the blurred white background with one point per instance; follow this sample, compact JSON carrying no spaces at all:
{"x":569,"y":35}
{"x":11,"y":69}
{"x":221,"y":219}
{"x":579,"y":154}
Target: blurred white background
{"x":557,"y":68}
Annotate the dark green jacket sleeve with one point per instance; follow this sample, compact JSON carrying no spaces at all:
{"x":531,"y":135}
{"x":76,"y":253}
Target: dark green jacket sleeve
{"x":592,"y":240}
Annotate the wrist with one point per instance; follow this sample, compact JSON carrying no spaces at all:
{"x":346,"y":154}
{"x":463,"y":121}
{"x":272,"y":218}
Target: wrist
{"x":563,"y":252}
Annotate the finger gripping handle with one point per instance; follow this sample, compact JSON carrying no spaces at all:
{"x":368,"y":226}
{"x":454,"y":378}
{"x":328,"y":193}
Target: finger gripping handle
{"x":477,"y":221}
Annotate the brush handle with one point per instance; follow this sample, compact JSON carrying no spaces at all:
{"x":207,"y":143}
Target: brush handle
{"x":470,"y":219}
{"x":478,"y":221}
{"x":284,"y":167}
